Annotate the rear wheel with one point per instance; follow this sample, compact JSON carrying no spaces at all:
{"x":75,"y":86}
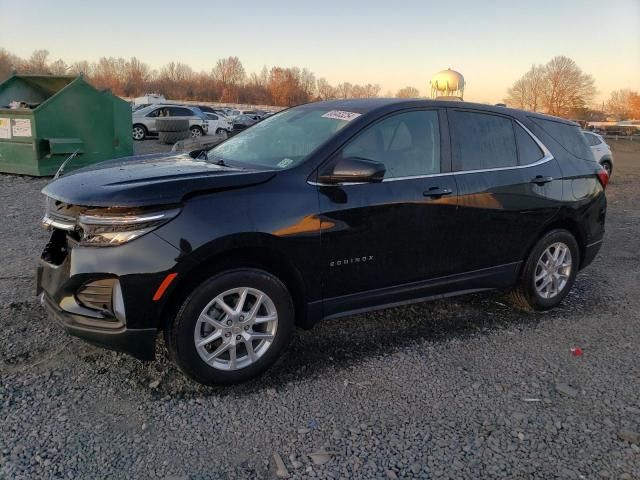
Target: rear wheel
{"x":549,"y":272}
{"x":232,"y":327}
{"x":608,"y":167}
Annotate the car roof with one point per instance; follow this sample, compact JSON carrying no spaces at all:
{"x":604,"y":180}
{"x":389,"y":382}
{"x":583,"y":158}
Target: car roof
{"x":368,"y":105}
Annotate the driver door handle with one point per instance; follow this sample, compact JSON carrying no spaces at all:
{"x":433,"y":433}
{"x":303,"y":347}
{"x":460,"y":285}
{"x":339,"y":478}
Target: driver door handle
{"x":540,"y":180}
{"x":437,"y":192}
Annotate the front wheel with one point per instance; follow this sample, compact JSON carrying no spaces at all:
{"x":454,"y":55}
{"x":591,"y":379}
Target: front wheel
{"x":549,"y":272}
{"x":139,"y":132}
{"x":607,"y":167}
{"x":221,"y":132}
{"x":196,"y":132}
{"x":232,"y":327}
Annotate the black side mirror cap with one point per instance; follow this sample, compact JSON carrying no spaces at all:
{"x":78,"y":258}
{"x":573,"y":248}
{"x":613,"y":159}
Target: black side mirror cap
{"x":352,"y":170}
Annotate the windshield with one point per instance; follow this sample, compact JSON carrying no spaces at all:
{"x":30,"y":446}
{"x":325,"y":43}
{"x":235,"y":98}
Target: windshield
{"x":282,"y":140}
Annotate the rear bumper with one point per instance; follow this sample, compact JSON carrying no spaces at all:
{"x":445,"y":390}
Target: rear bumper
{"x":139,"y":343}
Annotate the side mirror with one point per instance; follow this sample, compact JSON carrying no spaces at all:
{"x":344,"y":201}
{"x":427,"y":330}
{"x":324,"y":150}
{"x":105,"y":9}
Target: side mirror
{"x":352,"y":169}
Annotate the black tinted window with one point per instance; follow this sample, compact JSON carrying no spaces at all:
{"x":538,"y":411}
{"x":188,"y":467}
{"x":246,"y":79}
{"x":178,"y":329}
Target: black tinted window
{"x":180,"y":112}
{"x":408,"y":144}
{"x":482,"y":141}
{"x":570,"y":137}
{"x":528,"y":150}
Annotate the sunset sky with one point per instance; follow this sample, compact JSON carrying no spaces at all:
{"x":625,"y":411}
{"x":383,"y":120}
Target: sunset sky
{"x":393,"y":44}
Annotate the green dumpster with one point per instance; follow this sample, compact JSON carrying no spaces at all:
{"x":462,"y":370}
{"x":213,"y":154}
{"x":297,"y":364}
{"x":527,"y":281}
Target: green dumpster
{"x":45,"y":119}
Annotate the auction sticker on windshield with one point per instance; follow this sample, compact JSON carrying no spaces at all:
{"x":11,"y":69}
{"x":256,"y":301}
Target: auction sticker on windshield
{"x":341,"y":115}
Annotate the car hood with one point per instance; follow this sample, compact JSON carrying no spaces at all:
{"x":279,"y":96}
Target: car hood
{"x":146,"y":180}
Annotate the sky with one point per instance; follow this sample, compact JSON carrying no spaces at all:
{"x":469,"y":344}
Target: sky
{"x":394,"y":44}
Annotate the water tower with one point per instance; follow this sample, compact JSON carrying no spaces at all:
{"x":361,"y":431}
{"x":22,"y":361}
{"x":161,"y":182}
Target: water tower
{"x":447,"y":84}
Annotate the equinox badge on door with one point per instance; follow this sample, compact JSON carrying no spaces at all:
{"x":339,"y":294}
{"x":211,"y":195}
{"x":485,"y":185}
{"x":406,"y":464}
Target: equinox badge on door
{"x":349,"y":261}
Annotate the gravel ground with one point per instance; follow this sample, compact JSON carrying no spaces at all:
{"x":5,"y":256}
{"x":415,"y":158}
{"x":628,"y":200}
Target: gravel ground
{"x":466,"y":388}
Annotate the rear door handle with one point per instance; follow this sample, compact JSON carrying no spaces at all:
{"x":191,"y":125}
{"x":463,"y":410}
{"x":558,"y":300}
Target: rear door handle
{"x":437,"y":192}
{"x":540,"y":180}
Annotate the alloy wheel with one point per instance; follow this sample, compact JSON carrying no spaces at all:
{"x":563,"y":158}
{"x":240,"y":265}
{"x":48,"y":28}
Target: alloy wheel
{"x":236,"y":328}
{"x":553,"y":270}
{"x":138,"y":133}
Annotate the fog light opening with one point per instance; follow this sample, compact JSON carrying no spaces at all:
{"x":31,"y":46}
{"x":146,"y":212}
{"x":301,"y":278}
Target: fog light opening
{"x":118,"y":302}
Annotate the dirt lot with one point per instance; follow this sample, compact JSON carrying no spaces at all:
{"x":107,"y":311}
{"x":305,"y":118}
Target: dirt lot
{"x":466,"y":388}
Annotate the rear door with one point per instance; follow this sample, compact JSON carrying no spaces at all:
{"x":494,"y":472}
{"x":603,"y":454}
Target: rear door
{"x":379,"y":235}
{"x":509,"y":187}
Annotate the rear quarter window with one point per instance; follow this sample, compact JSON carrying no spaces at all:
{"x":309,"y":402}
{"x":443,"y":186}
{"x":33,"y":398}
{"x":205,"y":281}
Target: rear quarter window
{"x":569,"y":137}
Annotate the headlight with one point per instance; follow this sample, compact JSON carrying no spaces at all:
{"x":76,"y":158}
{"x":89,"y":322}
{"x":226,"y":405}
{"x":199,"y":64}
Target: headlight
{"x":104,"y":229}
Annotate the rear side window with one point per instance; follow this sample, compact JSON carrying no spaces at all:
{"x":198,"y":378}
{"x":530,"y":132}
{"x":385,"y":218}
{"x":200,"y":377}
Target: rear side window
{"x":180,"y":112}
{"x":481,"y":141}
{"x":570,"y":137}
{"x":592,"y":140}
{"x":528,"y":150}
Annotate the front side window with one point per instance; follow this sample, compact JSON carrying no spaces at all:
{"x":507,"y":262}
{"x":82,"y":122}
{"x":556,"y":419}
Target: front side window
{"x":481,"y":141}
{"x":408,"y":144}
{"x":281,"y":141}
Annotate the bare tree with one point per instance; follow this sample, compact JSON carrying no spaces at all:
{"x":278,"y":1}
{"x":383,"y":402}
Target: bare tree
{"x":528,"y":91}
{"x":619,"y":103}
{"x":229,"y":71}
{"x":344,"y":90}
{"x":8,"y":62}
{"x":408,"y":92}
{"x":634,"y":102}
{"x":325,"y":90}
{"x":568,"y":87}
{"x":37,"y":63}
{"x":558,"y":88}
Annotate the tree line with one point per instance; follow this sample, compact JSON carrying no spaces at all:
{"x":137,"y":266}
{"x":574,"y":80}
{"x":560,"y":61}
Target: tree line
{"x":226,"y":82}
{"x":558,"y":87}
{"x":561,"y":88}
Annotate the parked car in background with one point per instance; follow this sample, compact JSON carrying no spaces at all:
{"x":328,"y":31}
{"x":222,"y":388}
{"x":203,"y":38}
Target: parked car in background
{"x":236,"y":113}
{"x":205,"y":108}
{"x":601,"y":150}
{"x":218,"y":124}
{"x":324,"y":210}
{"x":243,"y":121}
{"x":144,"y":120}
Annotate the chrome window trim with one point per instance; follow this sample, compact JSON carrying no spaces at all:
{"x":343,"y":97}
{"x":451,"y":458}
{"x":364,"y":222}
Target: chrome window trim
{"x":547,"y":156}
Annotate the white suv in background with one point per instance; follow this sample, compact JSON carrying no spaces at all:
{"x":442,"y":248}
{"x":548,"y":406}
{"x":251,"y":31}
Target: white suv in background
{"x":218,"y":124}
{"x":601,"y":151}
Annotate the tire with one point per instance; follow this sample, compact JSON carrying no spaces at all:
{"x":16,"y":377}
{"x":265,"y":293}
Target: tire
{"x":528,"y":294}
{"x":169,"y":138}
{"x":172,"y":125}
{"x":196,"y":131}
{"x":221,"y":132}
{"x":139,"y":132}
{"x":190,"y":326}
{"x":606,"y":164}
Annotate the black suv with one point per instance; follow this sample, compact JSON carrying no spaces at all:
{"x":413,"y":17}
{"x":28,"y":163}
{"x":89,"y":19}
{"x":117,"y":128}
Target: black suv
{"x":319,"y":211}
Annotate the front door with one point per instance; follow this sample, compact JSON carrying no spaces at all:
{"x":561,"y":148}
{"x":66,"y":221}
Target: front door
{"x":377,"y":236}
